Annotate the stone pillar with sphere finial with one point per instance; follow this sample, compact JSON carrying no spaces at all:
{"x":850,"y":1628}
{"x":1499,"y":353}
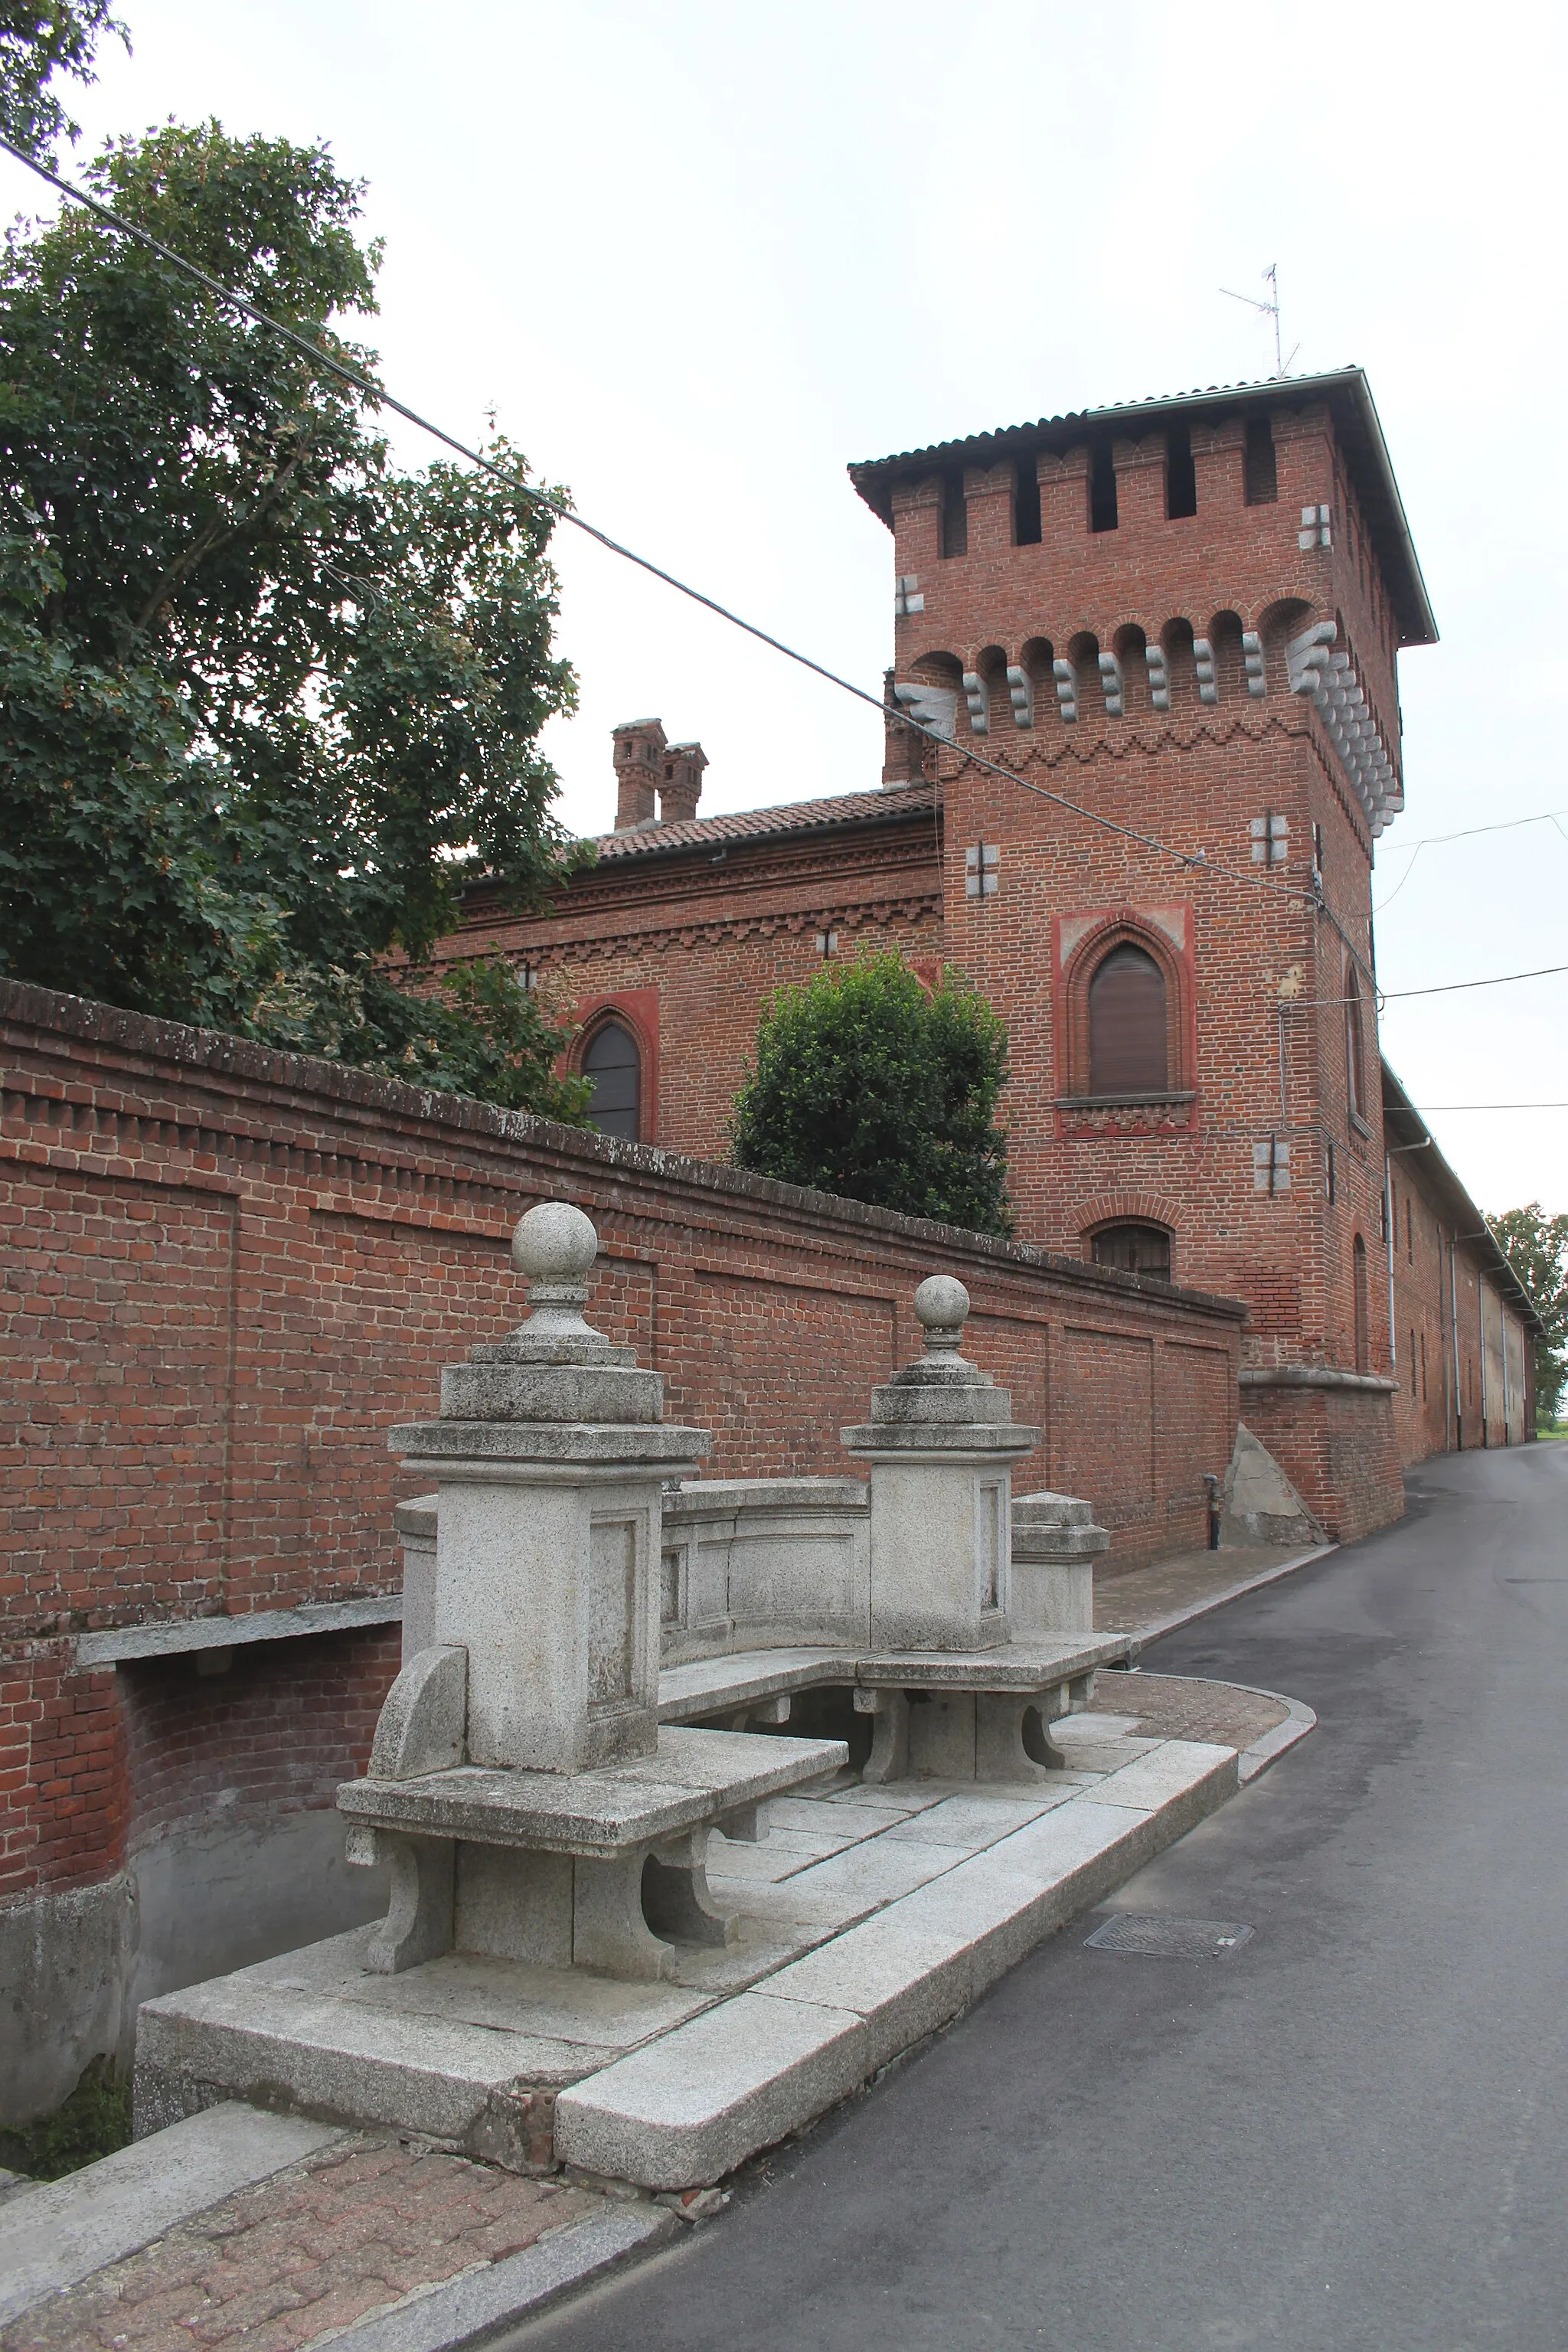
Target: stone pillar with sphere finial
{"x":520,"y":1787}
{"x":941,"y":1442}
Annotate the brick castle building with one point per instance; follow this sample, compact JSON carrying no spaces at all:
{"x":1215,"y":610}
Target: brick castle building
{"x":1183,"y":618}
{"x":225,"y":1272}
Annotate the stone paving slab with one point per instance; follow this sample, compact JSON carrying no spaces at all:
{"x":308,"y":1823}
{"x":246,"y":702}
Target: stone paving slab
{"x":361,"y":2225}
{"x":691,"y":2107}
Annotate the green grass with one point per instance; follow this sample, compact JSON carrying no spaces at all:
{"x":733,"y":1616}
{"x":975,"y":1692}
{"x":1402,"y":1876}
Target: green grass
{"x":93,"y":2121}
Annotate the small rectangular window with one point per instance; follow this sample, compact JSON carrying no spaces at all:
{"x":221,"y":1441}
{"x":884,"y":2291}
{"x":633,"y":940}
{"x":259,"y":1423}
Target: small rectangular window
{"x":1262,"y":475}
{"x":1181,"y":475}
{"x":1102,"y":490}
{"x":1026,"y":506}
{"x":954,"y":516}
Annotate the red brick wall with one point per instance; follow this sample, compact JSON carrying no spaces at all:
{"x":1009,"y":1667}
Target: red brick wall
{"x":224,"y":1273}
{"x":694,"y":945}
{"x":63,"y":1791}
{"x":274,"y":1734}
{"x":1339,"y":1449}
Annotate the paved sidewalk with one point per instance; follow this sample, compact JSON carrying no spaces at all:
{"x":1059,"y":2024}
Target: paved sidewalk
{"x":1174,"y":1706}
{"x":1153,"y":1600}
{"x":272,"y":2269}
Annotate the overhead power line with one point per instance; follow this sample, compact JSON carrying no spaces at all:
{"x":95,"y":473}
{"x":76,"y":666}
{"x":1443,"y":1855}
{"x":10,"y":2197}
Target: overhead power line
{"x":1498,"y":980}
{"x":1504,"y":824}
{"x":1468,"y":832}
{"x":1197,"y":861}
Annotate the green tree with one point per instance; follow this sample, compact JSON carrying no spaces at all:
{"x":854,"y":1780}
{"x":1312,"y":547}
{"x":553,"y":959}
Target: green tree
{"x":39,"y":38}
{"x":868,"y":1086}
{"x":1536,"y":1246}
{"x":266,"y":700}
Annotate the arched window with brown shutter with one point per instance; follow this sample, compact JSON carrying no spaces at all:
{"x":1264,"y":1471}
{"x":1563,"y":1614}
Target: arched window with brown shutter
{"x":1127,"y":1025}
{"x":615,"y":1067}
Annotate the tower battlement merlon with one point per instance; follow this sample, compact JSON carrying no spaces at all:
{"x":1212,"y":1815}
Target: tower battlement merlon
{"x":1092,"y":473}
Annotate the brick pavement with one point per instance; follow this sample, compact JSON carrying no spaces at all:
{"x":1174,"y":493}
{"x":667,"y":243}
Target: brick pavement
{"x":1169,"y":1707}
{"x":277,"y":2267}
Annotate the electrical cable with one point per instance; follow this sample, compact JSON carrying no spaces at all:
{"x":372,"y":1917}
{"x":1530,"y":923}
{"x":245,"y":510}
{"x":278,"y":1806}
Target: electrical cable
{"x":1197,"y":861}
{"x":1500,"y":980}
{"x":1468,"y":832}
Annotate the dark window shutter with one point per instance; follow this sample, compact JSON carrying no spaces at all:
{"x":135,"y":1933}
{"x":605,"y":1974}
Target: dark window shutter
{"x":614,"y":1065}
{"x":1127,"y":1025}
{"x":1136,"y":1249}
{"x":1356,"y":1080}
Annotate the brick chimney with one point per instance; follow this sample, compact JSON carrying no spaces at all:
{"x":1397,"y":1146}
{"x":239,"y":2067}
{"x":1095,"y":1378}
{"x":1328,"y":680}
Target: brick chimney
{"x":682,"y":786}
{"x":640,"y":751}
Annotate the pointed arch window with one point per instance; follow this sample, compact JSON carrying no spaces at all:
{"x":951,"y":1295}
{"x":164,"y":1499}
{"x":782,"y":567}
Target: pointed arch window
{"x":1128,"y":1025}
{"x":614,"y":1065}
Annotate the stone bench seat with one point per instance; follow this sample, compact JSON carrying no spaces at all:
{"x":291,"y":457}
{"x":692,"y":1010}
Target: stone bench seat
{"x":959,"y":1715}
{"x":747,"y":1683}
{"x":600,"y":1811}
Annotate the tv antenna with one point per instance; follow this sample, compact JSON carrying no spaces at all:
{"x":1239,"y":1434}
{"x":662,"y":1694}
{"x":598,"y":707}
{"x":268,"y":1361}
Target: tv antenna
{"x":1270,"y":310}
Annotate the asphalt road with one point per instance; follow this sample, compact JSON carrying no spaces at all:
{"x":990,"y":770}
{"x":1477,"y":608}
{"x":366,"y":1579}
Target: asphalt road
{"x":1351,"y":2132}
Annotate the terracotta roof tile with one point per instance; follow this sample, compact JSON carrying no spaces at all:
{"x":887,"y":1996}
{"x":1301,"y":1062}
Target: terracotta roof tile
{"x":878,"y":807}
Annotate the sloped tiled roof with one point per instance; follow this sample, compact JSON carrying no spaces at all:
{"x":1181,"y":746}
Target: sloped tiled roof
{"x":826,"y":815}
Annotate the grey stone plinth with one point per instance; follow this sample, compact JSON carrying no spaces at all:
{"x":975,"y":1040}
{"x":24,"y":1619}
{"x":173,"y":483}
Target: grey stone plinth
{"x":551,"y":1393}
{"x":444,"y":1446}
{"x":933,"y":1440}
{"x":941,"y":1442}
{"x":1055,"y":1527}
{"x":1055,"y":1543}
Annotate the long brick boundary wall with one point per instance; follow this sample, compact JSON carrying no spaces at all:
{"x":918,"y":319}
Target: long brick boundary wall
{"x":227,"y":1271}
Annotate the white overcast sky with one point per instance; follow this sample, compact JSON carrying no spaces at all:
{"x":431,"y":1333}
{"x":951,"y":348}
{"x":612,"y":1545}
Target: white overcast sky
{"x":698,"y":257}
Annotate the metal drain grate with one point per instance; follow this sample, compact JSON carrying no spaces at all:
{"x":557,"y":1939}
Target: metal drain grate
{"x":1168,"y":1940}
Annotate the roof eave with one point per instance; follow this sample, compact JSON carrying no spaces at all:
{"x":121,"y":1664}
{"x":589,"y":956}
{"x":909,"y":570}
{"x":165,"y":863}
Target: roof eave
{"x":1478,"y":1233}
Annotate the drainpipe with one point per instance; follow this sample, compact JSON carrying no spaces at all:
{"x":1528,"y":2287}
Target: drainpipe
{"x":1481,"y":1314}
{"x":1388,"y":1231}
{"x":1449,"y":1394}
{"x":1453,"y":1334}
{"x":1502,"y":1327}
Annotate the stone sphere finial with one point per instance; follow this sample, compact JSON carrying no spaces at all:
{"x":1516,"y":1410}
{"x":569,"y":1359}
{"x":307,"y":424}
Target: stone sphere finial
{"x":555,"y":1245}
{"x":942,"y":1304}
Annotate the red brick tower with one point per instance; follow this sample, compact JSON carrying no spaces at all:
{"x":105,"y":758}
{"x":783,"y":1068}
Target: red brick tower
{"x":1183,"y":616}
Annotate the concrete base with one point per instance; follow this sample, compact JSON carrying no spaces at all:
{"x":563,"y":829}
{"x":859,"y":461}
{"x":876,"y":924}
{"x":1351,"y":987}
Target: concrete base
{"x":867,"y":1918}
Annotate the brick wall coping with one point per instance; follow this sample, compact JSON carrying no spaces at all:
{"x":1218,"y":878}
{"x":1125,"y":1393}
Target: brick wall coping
{"x":236,"y":1062}
{"x":1314,"y":1376}
{"x":126,"y":1643}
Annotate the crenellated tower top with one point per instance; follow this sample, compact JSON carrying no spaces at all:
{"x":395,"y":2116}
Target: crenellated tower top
{"x":1162,"y":557}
